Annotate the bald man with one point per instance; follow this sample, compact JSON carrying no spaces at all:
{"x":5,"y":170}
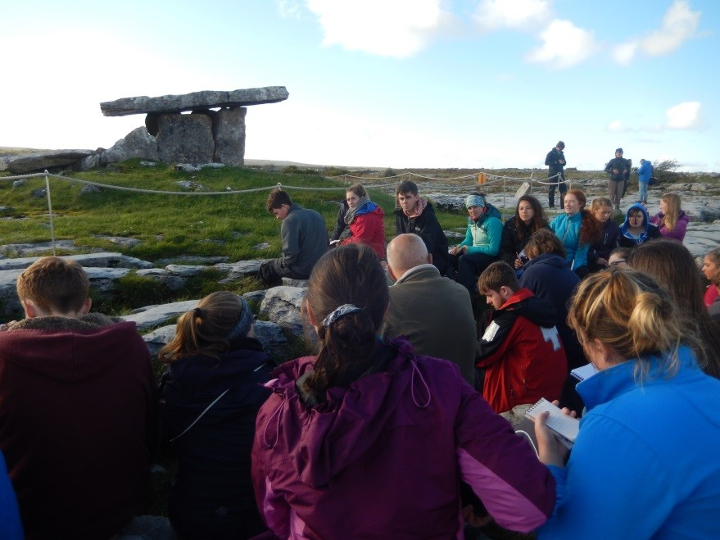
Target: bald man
{"x":433,"y":312}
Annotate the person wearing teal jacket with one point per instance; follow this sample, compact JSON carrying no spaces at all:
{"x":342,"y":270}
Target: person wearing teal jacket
{"x":644,"y":463}
{"x":481,"y":246}
{"x":577,"y":228}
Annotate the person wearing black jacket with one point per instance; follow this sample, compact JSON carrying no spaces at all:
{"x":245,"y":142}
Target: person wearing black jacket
{"x":599,"y":253}
{"x":212,"y":390}
{"x":555,"y":160}
{"x":415,"y":214}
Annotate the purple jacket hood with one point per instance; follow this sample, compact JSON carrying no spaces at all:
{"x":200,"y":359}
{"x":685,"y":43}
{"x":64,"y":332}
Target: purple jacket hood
{"x":325,"y":439}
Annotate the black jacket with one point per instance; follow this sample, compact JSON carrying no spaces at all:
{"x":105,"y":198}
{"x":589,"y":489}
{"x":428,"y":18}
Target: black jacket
{"x":622,"y":166}
{"x":514,"y":239}
{"x":212,"y":496}
{"x":556,"y":161}
{"x":609,"y":240}
{"x":427,"y":227}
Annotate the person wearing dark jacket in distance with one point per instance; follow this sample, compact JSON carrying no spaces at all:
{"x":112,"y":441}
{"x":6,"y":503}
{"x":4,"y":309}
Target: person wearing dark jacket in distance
{"x":517,"y":230}
{"x":78,"y":409}
{"x":555,"y":160}
{"x":599,"y":253}
{"x":617,"y":168}
{"x":415,"y":214}
{"x":520,"y":348}
{"x":369,"y":440}
{"x":212,"y":390}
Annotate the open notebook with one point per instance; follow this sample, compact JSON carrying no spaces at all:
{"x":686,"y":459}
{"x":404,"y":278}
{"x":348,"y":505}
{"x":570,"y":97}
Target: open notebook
{"x":564,"y":426}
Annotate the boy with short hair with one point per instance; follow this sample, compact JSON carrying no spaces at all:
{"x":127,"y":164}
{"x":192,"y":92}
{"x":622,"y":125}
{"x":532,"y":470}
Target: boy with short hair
{"x":520,"y":349}
{"x":304,"y":240}
{"x":78,"y":405}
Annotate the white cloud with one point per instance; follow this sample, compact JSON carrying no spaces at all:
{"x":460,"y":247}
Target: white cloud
{"x":399,"y":28}
{"x":616,"y":126}
{"x":564,"y":45}
{"x":679,"y":25}
{"x":497,"y":14}
{"x":686,"y":116}
{"x":623,"y":54}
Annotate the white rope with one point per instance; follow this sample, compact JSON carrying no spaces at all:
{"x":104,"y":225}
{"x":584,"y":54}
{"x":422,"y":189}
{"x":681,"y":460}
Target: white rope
{"x":49,"y":200}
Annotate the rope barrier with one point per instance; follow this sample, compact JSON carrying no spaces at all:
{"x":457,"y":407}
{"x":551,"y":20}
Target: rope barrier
{"x":488,"y":177}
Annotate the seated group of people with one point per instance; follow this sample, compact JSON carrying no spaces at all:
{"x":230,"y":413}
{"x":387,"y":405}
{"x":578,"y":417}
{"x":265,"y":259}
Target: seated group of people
{"x":394,"y":428}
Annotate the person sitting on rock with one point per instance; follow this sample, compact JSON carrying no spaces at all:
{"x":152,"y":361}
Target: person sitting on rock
{"x":304,"y":240}
{"x":433,"y":312}
{"x":637,"y":228}
{"x":78,"y":409}
{"x":365,"y":219}
{"x":212,"y":390}
{"x":415,"y":214}
{"x":482,"y":241}
{"x":520,"y":349}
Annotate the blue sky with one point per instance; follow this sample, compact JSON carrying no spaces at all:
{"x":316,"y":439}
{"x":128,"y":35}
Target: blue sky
{"x":386,"y":83}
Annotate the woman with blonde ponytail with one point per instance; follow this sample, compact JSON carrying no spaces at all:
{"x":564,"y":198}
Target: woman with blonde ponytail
{"x":370,"y":440}
{"x":644,"y":464}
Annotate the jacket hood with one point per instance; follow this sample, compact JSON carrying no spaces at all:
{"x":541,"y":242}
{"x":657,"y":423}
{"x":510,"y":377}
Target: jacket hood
{"x":68,"y":349}
{"x":538,"y":311}
{"x":549,"y":259}
{"x":323,"y":440}
{"x":636,"y":206}
{"x":370,"y":208}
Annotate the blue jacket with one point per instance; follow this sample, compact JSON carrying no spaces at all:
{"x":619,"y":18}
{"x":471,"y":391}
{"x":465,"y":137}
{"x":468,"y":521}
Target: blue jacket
{"x":645,"y":462}
{"x":650,"y":232}
{"x":485,"y":234}
{"x":10,"y":527}
{"x":567,"y":229}
{"x":645,"y":171}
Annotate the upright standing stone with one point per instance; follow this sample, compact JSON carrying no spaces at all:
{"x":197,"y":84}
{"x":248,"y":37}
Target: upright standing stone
{"x":229,"y":134}
{"x":185,"y":138}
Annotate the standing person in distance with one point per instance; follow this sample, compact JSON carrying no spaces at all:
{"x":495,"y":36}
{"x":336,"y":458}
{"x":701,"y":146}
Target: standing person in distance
{"x":617,"y":168}
{"x":645,"y":172}
{"x":555,"y":160}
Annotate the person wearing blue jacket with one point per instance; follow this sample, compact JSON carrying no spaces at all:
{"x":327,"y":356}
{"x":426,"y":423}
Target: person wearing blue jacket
{"x":645,"y":172}
{"x":577,"y":229}
{"x":481,"y":246}
{"x":644,"y":463}
{"x":637,"y":228}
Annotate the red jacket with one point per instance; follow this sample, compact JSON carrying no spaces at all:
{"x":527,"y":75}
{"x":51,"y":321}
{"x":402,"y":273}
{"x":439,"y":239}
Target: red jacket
{"x":78,"y":404}
{"x":368,"y":228}
{"x":522,"y":353}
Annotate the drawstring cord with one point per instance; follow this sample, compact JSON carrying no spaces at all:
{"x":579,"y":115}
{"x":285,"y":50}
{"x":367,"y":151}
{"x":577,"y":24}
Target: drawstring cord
{"x":412,"y":385}
{"x":276,"y":416}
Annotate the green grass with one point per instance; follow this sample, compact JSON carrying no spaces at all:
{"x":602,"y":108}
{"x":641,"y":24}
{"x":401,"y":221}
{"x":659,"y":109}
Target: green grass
{"x":167,"y":225}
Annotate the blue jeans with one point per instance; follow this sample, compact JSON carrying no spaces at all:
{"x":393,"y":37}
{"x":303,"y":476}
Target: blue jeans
{"x":642,"y":194}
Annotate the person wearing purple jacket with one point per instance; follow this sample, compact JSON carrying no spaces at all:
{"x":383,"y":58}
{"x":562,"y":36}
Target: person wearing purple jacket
{"x":671,"y":220}
{"x":370,"y":440}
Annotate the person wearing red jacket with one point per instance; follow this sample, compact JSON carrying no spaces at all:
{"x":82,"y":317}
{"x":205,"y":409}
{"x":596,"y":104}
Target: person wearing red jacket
{"x":365,"y":219}
{"x":520,"y":349}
